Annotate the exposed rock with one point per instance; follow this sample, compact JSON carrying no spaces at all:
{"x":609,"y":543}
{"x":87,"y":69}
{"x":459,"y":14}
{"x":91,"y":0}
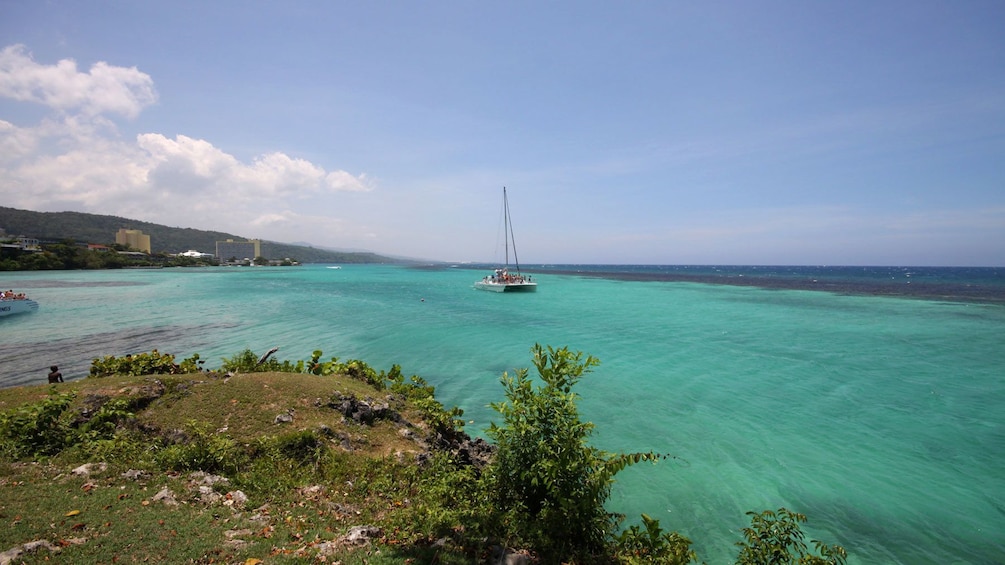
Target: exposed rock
{"x":8,"y":557}
{"x":34,"y":546}
{"x":138,"y":396}
{"x":261,"y":515}
{"x":235,"y":543}
{"x":327,"y":547}
{"x":342,"y":509}
{"x":87,"y":468}
{"x":313,"y":491}
{"x":364,"y":412}
{"x":362,"y":534}
{"x":203,"y":478}
{"x":236,"y":498}
{"x":231,"y":534}
{"x":208,"y":495}
{"x":92,"y":404}
{"x":165,"y":496}
{"x":260,"y":518}
{"x":467,"y":451}
{"x":477,"y":452}
{"x":285,"y":417}
{"x":342,"y":437}
{"x":135,"y":474}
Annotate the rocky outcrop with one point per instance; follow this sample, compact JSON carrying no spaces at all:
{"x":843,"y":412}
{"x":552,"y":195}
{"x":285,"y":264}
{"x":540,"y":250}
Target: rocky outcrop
{"x":362,"y":411}
{"x":138,"y":397}
{"x":35,"y":548}
{"x":465,"y":449}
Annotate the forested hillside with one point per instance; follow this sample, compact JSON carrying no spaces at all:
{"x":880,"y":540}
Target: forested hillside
{"x":95,"y":228}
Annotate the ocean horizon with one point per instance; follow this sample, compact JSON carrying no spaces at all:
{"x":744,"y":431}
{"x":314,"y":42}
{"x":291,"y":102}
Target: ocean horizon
{"x":870,"y":399}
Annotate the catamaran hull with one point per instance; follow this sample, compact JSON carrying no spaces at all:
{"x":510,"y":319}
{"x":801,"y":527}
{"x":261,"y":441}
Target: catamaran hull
{"x":506,"y":287}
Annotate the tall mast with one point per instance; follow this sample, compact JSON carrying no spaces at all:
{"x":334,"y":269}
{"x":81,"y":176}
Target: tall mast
{"x":506,"y":234}
{"x":512,"y":238}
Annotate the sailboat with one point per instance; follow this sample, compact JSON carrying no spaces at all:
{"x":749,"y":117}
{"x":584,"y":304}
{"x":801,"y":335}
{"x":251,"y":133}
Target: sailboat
{"x":503,"y":280}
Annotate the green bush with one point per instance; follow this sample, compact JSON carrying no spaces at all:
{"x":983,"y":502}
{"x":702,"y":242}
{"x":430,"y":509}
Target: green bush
{"x":439,"y":499}
{"x":37,"y":429}
{"x":49,"y":427}
{"x":651,"y":545}
{"x":153,"y":363}
{"x":203,"y":450}
{"x":247,"y":362}
{"x":304,"y":447}
{"x":549,"y":482}
{"x":774,"y":538}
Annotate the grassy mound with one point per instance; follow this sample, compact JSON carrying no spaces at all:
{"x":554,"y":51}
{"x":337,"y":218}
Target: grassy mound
{"x":214,"y":469}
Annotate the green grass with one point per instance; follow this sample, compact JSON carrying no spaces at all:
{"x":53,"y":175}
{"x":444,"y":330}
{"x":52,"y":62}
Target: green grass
{"x":305,"y":491}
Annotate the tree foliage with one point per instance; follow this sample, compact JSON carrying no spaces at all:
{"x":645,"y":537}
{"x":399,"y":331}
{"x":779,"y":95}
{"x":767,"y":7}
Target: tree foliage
{"x":550,"y":482}
{"x":36,"y":429}
{"x":153,"y":363}
{"x":651,"y":545}
{"x":775,"y":538}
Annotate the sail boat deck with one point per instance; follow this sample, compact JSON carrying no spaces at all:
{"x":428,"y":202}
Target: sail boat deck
{"x":502,"y":281}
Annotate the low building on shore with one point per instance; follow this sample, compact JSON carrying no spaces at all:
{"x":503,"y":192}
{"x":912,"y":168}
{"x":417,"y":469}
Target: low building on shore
{"x":192,"y":253}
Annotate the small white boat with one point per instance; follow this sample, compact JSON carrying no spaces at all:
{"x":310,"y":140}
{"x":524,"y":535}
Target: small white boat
{"x":11,"y":306}
{"x":503,"y":280}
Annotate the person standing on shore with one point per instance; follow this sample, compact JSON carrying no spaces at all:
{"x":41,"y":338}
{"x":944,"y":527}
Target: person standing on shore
{"x":54,"y":375}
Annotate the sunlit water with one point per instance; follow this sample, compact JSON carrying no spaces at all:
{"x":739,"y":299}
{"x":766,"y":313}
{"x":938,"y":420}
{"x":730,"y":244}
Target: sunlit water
{"x":882,"y":419}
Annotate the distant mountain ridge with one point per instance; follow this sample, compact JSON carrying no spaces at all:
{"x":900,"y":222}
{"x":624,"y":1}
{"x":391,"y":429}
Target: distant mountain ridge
{"x":101,"y":229}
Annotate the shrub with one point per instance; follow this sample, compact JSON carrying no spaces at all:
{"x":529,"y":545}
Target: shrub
{"x":550,"y":482}
{"x":774,"y":538}
{"x":638,"y":546}
{"x":247,"y":362}
{"x":37,"y":429}
{"x":103,"y":423}
{"x":153,"y":363}
{"x":203,"y":450}
{"x":304,"y":447}
{"x":49,"y":427}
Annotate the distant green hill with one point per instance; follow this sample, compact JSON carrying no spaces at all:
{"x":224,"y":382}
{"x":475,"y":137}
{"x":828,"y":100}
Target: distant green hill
{"x":95,"y":228}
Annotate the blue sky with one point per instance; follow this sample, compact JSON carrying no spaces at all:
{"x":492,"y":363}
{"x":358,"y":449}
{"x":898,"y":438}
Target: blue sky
{"x":775,"y":132}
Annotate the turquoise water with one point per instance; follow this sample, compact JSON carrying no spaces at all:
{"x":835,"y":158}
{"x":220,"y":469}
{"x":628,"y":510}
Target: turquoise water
{"x":882,"y":419}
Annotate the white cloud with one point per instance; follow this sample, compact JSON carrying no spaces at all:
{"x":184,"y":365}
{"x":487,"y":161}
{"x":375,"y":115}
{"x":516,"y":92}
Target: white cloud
{"x":76,"y":159}
{"x":341,"y":180}
{"x":104,"y":89}
{"x":187,"y":165}
{"x":15,"y":142}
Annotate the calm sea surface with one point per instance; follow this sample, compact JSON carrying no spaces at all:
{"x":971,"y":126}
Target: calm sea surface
{"x":880,"y":417}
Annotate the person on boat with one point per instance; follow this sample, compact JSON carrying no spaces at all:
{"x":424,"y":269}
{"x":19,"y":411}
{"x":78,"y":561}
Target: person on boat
{"x":54,"y":375}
